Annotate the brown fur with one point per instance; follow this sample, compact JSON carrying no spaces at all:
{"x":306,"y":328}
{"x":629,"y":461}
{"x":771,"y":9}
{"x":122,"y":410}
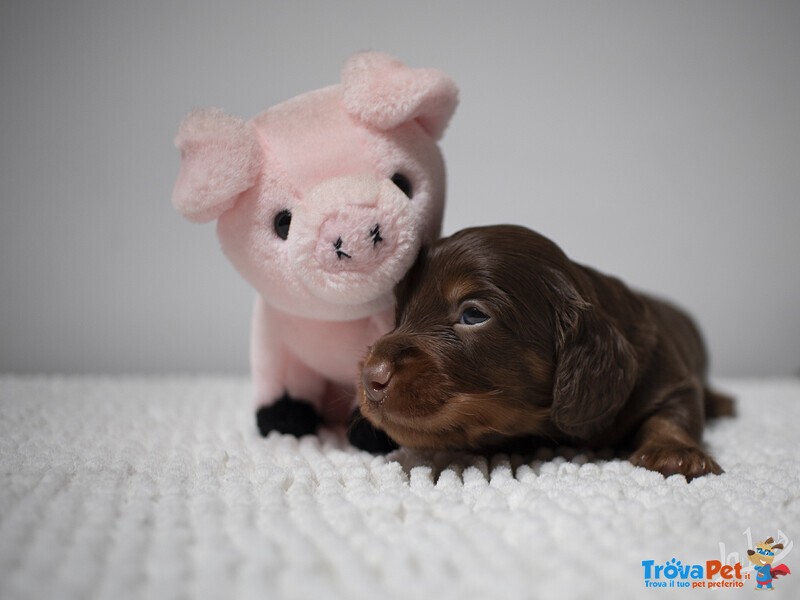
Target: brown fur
{"x":567,"y":354}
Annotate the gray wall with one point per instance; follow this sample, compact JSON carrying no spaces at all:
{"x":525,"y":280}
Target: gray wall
{"x":659,"y":141}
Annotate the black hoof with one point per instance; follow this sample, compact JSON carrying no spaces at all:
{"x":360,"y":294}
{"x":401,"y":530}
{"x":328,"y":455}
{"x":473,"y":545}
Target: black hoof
{"x":287,"y":415}
{"x":364,"y":436}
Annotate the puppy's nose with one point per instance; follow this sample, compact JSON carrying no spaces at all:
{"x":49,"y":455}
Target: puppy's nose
{"x":376,"y":376}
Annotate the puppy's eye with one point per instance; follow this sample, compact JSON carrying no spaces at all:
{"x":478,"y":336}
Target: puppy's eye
{"x":402,"y":182}
{"x":282,"y":222}
{"x":473,"y":316}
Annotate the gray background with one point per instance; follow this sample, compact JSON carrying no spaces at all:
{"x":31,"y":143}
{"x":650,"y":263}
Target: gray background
{"x":659,"y":141}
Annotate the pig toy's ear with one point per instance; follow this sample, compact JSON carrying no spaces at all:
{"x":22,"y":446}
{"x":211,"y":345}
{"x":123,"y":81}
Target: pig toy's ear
{"x":383,"y":92}
{"x":220,"y":159}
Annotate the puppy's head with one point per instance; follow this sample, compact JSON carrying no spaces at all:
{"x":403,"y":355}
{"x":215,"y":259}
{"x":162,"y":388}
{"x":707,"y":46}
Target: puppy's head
{"x":490,"y":326}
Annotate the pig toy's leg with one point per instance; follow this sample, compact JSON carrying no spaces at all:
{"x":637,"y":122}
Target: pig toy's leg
{"x":287,"y":415}
{"x":286,"y":391}
{"x":364,"y":436}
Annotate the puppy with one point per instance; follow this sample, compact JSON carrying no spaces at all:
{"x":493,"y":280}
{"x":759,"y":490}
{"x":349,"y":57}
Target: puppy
{"x":500,"y":338}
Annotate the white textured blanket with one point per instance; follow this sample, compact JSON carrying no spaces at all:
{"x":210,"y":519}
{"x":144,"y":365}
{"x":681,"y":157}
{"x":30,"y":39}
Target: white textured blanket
{"x":161,"y":488}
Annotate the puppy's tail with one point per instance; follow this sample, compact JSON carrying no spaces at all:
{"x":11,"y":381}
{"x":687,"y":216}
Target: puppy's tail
{"x":718,"y":405}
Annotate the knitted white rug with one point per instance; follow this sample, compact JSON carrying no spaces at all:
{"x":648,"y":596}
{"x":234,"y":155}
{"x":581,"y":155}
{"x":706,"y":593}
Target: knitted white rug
{"x":161,"y":488}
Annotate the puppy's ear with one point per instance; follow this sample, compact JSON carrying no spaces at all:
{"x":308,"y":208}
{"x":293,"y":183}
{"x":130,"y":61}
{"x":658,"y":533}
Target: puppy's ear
{"x":595,"y":365}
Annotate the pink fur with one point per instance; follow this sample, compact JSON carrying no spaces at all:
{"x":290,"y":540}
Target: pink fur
{"x":328,"y":156}
{"x":220,"y":158}
{"x":381,"y":91}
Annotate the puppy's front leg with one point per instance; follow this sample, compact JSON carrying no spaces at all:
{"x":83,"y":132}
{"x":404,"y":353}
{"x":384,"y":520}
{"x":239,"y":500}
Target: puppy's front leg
{"x":669,"y":440}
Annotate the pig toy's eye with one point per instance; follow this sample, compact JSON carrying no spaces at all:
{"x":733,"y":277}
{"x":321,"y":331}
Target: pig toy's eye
{"x":402,"y":182}
{"x":282,"y":221}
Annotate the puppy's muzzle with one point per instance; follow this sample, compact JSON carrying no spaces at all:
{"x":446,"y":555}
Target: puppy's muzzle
{"x":376,"y":376}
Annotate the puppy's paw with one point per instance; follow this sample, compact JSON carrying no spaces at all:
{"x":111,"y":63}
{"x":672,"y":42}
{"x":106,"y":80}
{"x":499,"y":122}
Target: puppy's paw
{"x":288,"y":415}
{"x":364,"y":436}
{"x":676,"y":459}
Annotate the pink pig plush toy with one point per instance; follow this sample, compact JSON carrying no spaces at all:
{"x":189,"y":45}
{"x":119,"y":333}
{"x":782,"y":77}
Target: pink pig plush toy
{"x":322,"y":203}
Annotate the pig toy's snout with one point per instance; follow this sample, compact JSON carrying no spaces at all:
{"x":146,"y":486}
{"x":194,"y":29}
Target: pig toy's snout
{"x":356,"y":239}
{"x":374,"y":235}
{"x":351,"y":241}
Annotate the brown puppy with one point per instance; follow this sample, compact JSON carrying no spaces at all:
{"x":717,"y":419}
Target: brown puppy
{"x":500,"y":338}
